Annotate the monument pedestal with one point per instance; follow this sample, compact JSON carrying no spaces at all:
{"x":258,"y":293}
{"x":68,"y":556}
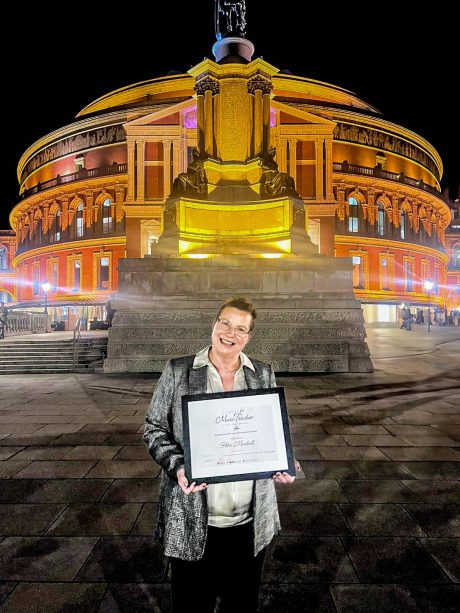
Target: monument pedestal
{"x":308,"y":318}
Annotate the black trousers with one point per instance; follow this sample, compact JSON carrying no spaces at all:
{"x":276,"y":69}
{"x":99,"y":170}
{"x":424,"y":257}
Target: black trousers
{"x":228,"y":570}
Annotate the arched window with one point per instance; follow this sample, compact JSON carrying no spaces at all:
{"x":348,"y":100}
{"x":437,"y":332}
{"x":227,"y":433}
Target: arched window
{"x":403,"y":225}
{"x":456,"y":257}
{"x":107,"y":221}
{"x":353,"y":223}
{"x":55,"y":236}
{"x":5,"y":297}
{"x":3,"y":258}
{"x":380,"y":219}
{"x":79,"y":226}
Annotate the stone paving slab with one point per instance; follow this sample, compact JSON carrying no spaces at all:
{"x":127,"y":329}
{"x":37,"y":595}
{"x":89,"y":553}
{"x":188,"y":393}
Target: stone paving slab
{"x":43,"y":558}
{"x":69,"y":490}
{"x":372,"y":522}
{"x":392,"y":560}
{"x":436,"y":519}
{"x":55,"y":597}
{"x":380,"y":520}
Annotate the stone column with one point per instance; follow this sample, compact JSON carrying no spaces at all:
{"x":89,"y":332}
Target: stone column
{"x":260,"y":87}
{"x":206,"y":88}
{"x":140,"y":170}
{"x":183,"y":160}
{"x":371,"y":209}
{"x":200,"y":122}
{"x":209,"y":123}
{"x":176,"y":157}
{"x":166,"y":168}
{"x":266,"y":120}
{"x":281,"y":157}
{"x":131,"y":169}
{"x":46,"y":207}
{"x":329,"y":168}
{"x":293,"y":158}
{"x":89,"y":198}
{"x":258,"y":126}
{"x":64,"y":214}
{"x":319,"y":169}
{"x":119,"y":196}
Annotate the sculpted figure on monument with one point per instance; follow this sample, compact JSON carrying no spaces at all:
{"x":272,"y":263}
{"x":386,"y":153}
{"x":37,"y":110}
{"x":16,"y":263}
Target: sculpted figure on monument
{"x":272,"y":181}
{"x":230,"y":18}
{"x":193,"y":182}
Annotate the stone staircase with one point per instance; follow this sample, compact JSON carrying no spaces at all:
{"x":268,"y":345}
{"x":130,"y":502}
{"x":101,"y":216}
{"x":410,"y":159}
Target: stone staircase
{"x":48,"y":357}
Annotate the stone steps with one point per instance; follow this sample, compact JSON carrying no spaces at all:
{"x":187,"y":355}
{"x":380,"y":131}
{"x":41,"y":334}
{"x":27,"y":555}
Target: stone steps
{"x":47,"y":357}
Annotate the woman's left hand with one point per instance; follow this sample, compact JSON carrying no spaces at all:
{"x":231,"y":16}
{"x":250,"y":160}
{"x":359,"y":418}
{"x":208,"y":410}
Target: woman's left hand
{"x":283,"y":478}
{"x":286,"y":477}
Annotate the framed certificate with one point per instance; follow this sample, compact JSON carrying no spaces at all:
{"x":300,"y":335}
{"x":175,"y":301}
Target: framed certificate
{"x":236,"y":436}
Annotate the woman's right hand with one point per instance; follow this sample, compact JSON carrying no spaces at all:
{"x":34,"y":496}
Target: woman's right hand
{"x":183,"y":483}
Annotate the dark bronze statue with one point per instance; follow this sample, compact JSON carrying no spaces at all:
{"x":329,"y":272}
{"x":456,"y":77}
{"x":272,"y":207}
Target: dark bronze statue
{"x":193,"y":182}
{"x":230,"y":18}
{"x":272,"y":181}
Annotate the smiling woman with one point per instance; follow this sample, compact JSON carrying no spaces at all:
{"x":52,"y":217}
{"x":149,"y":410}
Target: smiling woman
{"x":209,"y":530}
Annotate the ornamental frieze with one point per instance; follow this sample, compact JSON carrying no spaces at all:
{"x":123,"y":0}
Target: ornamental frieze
{"x":375,"y":138}
{"x":176,"y":348}
{"x":202,"y":333}
{"x":344,"y":316}
{"x":73,"y":144}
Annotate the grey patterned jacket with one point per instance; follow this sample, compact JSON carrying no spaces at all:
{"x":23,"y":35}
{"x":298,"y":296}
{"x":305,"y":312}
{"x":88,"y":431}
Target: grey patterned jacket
{"x":182,"y":520}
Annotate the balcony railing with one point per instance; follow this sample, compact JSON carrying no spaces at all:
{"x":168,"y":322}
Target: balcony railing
{"x":23,"y":322}
{"x":81,"y":175}
{"x":378,"y":173}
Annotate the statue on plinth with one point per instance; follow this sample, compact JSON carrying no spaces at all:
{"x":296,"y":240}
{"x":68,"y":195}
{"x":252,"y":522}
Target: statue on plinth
{"x":273,"y":182}
{"x":230,"y":18}
{"x":193,"y":182}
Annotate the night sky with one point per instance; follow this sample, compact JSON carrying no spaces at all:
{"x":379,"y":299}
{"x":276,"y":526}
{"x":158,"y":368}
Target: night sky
{"x":406,"y":63}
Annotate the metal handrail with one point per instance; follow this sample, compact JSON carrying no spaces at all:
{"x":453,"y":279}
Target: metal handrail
{"x":76,"y":344}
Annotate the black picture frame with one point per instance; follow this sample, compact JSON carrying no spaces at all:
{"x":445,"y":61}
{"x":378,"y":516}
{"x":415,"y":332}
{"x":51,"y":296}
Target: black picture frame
{"x":187,"y":408}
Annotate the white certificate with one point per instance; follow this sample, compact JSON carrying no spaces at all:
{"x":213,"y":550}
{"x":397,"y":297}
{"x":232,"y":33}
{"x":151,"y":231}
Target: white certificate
{"x":233,"y":436}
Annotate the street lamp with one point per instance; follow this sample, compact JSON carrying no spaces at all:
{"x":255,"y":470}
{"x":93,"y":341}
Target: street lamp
{"x":46,"y":288}
{"x":429,"y":286}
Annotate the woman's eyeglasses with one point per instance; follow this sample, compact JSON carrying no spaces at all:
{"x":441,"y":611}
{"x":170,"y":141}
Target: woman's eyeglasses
{"x":226,"y":326}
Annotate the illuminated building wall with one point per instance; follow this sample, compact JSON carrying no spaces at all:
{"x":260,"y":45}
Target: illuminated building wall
{"x":7,"y":272}
{"x":94,"y":191}
{"x":452,"y":299}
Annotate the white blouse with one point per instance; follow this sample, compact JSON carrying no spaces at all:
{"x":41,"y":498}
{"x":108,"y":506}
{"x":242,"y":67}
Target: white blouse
{"x":229,"y":504}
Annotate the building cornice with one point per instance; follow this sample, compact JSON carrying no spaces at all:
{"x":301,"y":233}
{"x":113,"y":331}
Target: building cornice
{"x":368,"y":121}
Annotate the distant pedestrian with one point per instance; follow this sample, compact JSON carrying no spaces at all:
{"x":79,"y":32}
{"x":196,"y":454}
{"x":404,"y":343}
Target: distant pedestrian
{"x":406,"y":317}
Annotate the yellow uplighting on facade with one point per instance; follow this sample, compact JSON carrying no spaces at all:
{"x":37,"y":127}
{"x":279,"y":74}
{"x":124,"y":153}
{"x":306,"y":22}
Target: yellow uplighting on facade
{"x":198,"y":256}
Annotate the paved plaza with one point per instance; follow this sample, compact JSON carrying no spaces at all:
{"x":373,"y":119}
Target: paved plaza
{"x":371,"y":524}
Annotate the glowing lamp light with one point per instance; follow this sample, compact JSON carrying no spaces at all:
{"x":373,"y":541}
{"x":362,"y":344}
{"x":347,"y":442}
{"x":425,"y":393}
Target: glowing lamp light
{"x":46,"y":286}
{"x":428,"y":285}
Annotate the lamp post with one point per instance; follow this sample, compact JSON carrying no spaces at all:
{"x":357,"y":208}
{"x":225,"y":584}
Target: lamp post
{"x":429,"y":286}
{"x":46,"y":288}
